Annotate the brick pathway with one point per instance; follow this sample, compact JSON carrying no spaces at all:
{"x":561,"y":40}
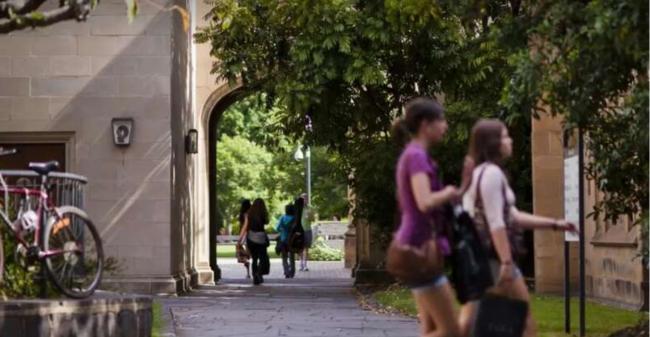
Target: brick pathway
{"x":317,"y":303}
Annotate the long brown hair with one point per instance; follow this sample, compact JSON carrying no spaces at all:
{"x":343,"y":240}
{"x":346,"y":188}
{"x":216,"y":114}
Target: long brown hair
{"x":485,"y":141}
{"x":258,"y":212}
{"x":417,"y":110}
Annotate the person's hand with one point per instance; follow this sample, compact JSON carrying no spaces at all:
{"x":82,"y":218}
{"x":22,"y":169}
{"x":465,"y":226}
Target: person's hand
{"x":451,"y":192}
{"x":567,"y":226}
{"x":505,"y":274}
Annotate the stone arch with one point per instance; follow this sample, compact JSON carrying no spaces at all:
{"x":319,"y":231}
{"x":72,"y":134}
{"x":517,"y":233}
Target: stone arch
{"x":210,"y":112}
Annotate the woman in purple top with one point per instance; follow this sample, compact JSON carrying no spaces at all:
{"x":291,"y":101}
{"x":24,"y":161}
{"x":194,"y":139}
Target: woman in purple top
{"x":421,"y":195}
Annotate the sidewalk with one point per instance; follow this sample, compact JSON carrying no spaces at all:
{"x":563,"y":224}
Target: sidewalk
{"x":310,"y":305}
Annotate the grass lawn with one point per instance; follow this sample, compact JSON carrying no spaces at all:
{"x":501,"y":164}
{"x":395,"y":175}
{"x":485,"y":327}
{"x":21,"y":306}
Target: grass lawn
{"x":548,"y":312}
{"x":157,"y":325}
{"x":229,"y":251}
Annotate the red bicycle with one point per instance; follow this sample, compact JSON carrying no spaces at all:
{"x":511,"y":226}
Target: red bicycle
{"x":62,"y":239}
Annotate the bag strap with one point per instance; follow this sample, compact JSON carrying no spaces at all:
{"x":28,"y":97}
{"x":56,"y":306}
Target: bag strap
{"x":479,"y":198}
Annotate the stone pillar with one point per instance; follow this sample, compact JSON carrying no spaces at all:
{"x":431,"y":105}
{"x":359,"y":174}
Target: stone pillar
{"x":350,"y":246}
{"x":548,"y":184}
{"x":371,"y":256}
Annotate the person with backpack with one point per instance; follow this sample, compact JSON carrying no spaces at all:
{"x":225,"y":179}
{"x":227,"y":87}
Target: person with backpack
{"x":416,"y":253}
{"x":297,"y":235}
{"x":490,"y":201}
{"x":285,"y":225}
{"x":256,"y":239}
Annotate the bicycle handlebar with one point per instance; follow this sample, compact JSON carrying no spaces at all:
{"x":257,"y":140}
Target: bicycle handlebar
{"x":7,"y":152}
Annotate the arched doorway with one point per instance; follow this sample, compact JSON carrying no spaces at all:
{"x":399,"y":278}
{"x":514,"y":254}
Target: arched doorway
{"x":217,"y":110}
{"x":218,"y":253}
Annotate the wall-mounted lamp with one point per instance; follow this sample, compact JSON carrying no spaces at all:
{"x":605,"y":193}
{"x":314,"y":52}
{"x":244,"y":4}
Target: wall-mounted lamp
{"x":122,"y":131}
{"x":192,"y":141}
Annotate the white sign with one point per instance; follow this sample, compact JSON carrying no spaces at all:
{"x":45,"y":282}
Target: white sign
{"x":572,"y":195}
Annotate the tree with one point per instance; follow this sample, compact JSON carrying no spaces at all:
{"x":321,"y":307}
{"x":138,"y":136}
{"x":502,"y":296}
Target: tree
{"x":282,"y":179}
{"x":589,"y":63}
{"x":349,"y":67}
{"x":240,"y":172}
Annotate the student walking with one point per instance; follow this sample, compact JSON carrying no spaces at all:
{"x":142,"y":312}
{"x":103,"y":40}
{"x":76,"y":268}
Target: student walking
{"x":243,"y":256}
{"x":421,"y":196}
{"x":491,"y":203}
{"x":256,"y":239}
{"x":285,"y":225}
{"x":305,"y":222}
{"x":297,"y":235}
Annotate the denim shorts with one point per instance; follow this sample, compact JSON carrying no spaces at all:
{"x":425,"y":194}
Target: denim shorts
{"x":495,"y":267}
{"x":436,"y":282}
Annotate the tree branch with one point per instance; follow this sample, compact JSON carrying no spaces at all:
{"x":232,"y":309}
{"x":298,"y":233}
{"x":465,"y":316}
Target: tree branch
{"x":18,"y":7}
{"x":74,"y":9}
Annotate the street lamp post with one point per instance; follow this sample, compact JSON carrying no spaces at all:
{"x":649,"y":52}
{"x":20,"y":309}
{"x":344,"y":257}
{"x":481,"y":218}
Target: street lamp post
{"x":304,"y":153}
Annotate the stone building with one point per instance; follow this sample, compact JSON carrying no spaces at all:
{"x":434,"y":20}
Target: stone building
{"x":613,"y":268}
{"x":61,"y":87}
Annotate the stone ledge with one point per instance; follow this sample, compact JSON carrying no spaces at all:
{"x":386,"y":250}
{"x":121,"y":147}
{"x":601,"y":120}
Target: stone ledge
{"x":142,"y":285}
{"x":104,"y":314}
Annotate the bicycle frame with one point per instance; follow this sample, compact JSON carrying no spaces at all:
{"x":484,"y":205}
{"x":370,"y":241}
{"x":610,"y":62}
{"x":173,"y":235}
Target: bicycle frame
{"x":44,"y":206}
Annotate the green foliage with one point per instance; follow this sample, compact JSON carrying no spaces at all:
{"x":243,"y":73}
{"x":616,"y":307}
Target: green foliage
{"x":241,"y":168}
{"x":18,"y":281}
{"x":589,"y":63}
{"x":131,"y":9}
{"x":158,"y":324}
{"x":351,"y":65}
{"x":547,"y":310}
{"x":269,"y":170}
{"x":320,"y":251}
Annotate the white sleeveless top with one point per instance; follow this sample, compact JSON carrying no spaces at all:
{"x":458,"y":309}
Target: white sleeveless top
{"x":491,"y":194}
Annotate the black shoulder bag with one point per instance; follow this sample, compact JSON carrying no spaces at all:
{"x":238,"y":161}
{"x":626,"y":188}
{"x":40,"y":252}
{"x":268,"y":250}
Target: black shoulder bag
{"x":471,"y":275}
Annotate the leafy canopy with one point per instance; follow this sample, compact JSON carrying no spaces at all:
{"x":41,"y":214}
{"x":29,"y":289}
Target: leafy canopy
{"x":589,"y":63}
{"x":349,"y":67}
{"x":253,"y":160}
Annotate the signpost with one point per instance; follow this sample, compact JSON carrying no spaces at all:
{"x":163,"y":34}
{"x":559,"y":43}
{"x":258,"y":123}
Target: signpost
{"x":581,"y":232}
{"x":574,"y":213}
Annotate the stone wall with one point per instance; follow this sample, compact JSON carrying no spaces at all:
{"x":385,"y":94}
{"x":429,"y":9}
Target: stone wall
{"x":107,"y":315}
{"x":613,"y":273}
{"x":75,"y":77}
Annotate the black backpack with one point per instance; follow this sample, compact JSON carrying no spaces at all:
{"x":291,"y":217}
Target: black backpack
{"x":296,"y":238}
{"x":471,"y":274}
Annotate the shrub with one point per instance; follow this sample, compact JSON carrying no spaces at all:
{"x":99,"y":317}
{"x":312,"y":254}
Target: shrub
{"x":320,"y":251}
{"x":18,"y":282}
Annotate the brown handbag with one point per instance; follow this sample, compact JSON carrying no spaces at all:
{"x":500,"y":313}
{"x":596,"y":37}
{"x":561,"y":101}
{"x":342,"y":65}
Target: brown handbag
{"x":413,"y":265}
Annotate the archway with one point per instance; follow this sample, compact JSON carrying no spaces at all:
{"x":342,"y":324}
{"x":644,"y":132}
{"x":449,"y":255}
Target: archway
{"x":219,"y":106}
{"x":220,"y":103}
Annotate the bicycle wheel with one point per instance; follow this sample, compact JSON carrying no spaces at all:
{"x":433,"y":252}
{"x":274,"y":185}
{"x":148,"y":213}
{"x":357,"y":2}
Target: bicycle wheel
{"x":74,"y":256}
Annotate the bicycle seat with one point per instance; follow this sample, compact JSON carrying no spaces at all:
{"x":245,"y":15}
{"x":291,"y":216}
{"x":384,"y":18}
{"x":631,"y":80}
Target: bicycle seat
{"x":44,"y":168}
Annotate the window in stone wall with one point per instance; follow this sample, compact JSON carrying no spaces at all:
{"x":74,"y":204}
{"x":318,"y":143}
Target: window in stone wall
{"x":33,"y":152}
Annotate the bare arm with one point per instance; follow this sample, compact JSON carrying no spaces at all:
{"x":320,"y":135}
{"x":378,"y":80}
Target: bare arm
{"x":424,"y":197}
{"x":502,"y":245}
{"x":502,"y":248}
{"x":243,"y":230}
{"x":532,"y":221}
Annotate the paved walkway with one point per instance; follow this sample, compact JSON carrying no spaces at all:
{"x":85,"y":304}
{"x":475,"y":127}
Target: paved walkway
{"x":233,"y":271}
{"x":320,"y":303}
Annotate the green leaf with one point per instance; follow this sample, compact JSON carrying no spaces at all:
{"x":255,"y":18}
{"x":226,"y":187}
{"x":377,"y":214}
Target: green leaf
{"x":131,"y":9}
{"x":36,"y":16}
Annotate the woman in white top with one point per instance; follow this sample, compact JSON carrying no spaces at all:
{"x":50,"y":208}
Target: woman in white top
{"x":490,"y":146}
